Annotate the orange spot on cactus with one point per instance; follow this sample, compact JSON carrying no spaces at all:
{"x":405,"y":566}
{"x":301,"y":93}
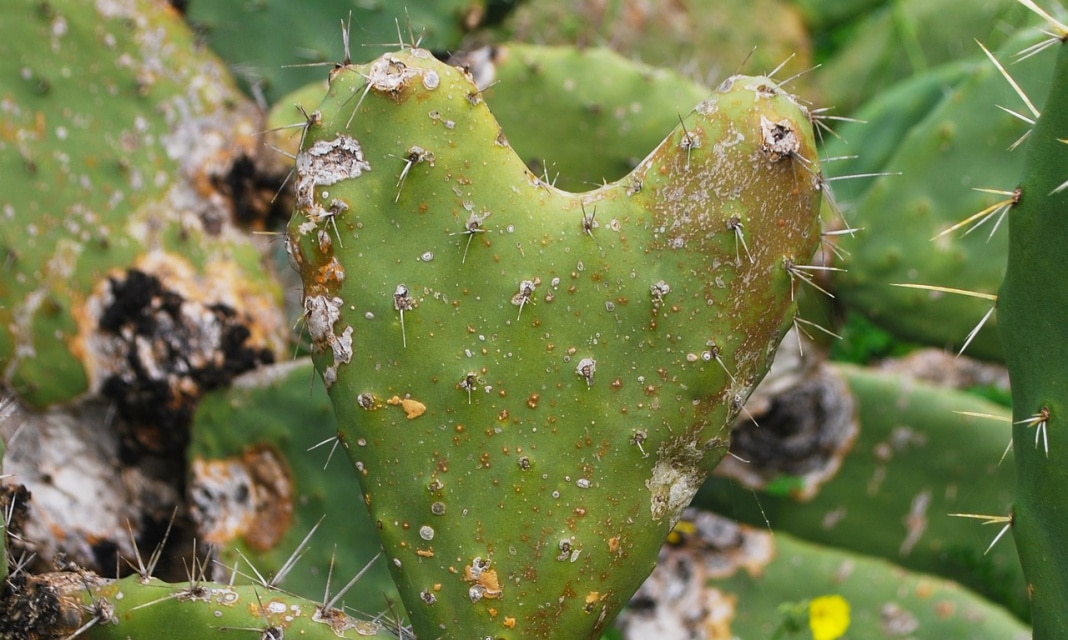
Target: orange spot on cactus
{"x":412,"y":408}
{"x":509,"y":622}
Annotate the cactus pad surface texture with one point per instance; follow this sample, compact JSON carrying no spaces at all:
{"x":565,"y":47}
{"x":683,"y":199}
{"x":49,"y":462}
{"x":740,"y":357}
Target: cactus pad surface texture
{"x":1031,"y":321}
{"x":532,"y":383}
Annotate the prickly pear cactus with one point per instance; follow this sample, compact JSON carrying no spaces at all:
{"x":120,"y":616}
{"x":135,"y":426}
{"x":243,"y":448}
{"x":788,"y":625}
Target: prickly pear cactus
{"x":78,"y":604}
{"x":1031,"y":304}
{"x":124,"y":272}
{"x":530,"y":383}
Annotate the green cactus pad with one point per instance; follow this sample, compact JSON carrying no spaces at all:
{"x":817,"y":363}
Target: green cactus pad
{"x":121,"y":144}
{"x":68,"y":605}
{"x":704,"y":39}
{"x":623,"y":109}
{"x":1031,"y":306}
{"x":532,"y":384}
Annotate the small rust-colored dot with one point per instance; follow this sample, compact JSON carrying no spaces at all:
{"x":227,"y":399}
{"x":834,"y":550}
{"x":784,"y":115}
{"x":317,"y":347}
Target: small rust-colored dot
{"x":580,"y":511}
{"x":503,"y":415}
{"x":613,"y":544}
{"x":502,"y":393}
{"x":550,"y":347}
{"x":617,"y":384}
{"x":425,"y":553}
{"x":509,"y":622}
{"x":459,"y":428}
{"x":532,"y":400}
{"x":470,"y":329}
{"x":437,"y":585}
{"x":650,"y":390}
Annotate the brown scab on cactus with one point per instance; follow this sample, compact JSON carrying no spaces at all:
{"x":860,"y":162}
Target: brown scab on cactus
{"x":799,"y":424}
{"x":154,"y":342}
{"x":35,"y":606}
{"x":778,"y":139}
{"x":675,"y":479}
{"x":248,"y":497}
{"x":702,"y":548}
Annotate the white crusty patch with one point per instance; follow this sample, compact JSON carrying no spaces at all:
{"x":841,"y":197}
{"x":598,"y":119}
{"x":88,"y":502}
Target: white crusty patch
{"x":390,"y":74}
{"x":322,"y":314}
{"x":778,"y":139}
{"x":675,"y":480}
{"x":328,"y":162}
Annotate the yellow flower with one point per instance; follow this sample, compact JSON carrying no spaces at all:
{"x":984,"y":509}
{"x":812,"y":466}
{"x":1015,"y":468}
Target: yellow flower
{"x":828,"y":617}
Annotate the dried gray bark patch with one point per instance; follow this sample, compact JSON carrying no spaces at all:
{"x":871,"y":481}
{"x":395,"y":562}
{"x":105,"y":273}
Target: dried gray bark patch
{"x":328,"y":162}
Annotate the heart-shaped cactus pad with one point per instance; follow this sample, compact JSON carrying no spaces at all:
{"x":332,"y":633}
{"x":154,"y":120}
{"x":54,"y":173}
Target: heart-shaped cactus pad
{"x":532,"y":384}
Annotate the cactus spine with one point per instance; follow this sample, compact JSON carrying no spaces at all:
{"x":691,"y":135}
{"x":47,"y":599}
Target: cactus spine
{"x":1032,"y":317}
{"x":531,"y":383}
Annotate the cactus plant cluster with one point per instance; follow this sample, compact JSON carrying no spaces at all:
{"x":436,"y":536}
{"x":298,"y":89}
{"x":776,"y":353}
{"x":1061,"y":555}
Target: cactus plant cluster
{"x":515,"y":390}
